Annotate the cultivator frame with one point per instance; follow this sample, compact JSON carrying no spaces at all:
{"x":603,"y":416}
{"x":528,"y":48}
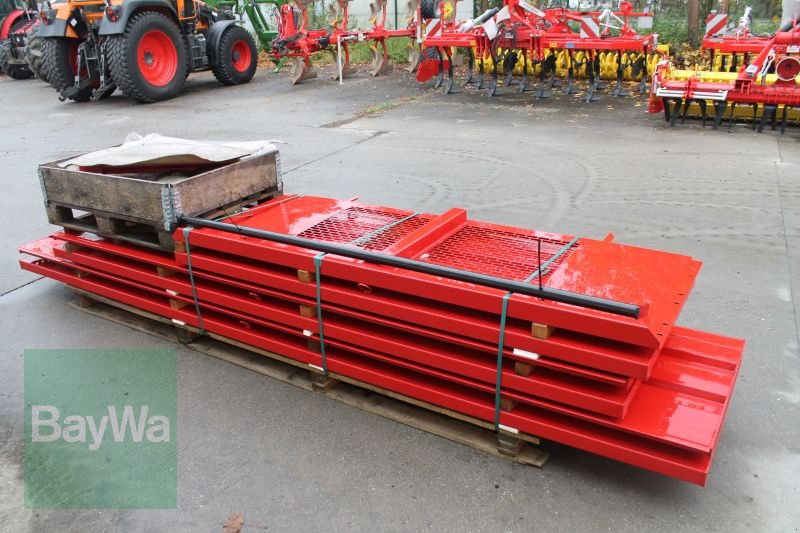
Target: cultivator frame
{"x":768,"y":85}
{"x":518,"y":39}
{"x":730,"y":47}
{"x":298,"y":42}
{"x":525,"y":40}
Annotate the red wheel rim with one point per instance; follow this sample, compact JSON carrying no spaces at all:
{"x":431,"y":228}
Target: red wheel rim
{"x":788,"y":68}
{"x":241,"y":56}
{"x":157,"y":58}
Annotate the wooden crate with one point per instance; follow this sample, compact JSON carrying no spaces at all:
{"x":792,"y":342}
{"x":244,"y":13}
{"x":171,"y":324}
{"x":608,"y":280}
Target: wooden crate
{"x":141,"y":209}
{"x":475,"y":433}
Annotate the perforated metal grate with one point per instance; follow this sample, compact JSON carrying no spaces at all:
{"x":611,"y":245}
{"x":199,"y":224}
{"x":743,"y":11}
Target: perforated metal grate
{"x":497,"y":252}
{"x":353,"y":225}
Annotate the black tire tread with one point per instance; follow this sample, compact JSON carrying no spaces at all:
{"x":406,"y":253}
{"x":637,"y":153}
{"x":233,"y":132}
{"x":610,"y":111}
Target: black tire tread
{"x":223,"y":70}
{"x":33,"y":53}
{"x":117,"y":48}
{"x":57,"y":73}
{"x":428,"y":8}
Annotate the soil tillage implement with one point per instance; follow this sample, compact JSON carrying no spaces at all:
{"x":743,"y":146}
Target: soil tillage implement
{"x":144,"y":48}
{"x":299,"y":42}
{"x":767,"y":85}
{"x":565,"y":338}
{"x":523,"y":40}
{"x":730,"y":46}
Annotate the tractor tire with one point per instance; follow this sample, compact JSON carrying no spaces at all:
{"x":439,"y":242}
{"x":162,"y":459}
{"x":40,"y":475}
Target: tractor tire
{"x":34,"y":54}
{"x":237,"y":57}
{"x":148,"y":62}
{"x":59,"y":62}
{"x":429,"y":9}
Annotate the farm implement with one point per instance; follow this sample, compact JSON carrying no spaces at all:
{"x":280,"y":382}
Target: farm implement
{"x":729,"y":46}
{"x":298,"y":42}
{"x":533,"y":334}
{"x":526,"y":41}
{"x":518,"y":39}
{"x":765,"y":87}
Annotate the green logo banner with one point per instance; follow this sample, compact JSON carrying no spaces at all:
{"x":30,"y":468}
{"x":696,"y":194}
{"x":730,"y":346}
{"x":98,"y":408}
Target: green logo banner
{"x":100,"y":429}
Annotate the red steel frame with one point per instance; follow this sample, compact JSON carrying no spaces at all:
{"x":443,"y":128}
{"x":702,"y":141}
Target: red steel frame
{"x":550,"y":421}
{"x":666,"y":416}
{"x":535,"y":33}
{"x":781,"y":51}
{"x":296,"y":40}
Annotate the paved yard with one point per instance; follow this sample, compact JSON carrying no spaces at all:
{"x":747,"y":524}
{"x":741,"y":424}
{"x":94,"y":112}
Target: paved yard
{"x":291,"y":460}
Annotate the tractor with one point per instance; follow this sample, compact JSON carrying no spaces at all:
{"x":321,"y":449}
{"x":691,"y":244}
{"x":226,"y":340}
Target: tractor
{"x":16,"y":19}
{"x":146,"y":48}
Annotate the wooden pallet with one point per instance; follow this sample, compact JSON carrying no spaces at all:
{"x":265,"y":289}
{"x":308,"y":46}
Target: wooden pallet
{"x":142,"y":204}
{"x":136,"y":231}
{"x":477,"y":434}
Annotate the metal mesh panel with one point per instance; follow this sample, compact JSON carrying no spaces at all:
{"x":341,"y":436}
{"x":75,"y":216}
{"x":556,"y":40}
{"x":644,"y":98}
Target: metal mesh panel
{"x":496,"y":252}
{"x":353,"y":224}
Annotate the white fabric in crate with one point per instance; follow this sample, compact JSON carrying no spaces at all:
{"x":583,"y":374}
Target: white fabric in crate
{"x":155,"y":149}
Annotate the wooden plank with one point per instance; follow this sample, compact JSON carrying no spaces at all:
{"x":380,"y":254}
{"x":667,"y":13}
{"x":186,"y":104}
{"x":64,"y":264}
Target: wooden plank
{"x":228,"y":184}
{"x":165,"y":272}
{"x":102,"y":193}
{"x":541,"y":331}
{"x":507,"y":404}
{"x":114,"y":197}
{"x":235,"y":207}
{"x":523,"y":369}
{"x":459,"y":428}
{"x":307,"y":311}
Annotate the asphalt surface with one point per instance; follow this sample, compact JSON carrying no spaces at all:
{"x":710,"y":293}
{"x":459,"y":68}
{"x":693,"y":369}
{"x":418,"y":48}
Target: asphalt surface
{"x":296,"y":461}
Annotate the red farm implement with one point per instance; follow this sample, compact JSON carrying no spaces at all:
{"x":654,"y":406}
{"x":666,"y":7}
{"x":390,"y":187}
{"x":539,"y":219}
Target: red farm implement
{"x":569,"y":339}
{"x":299,"y":42}
{"x":523,"y":40}
{"x":730,"y":46}
{"x":765,"y":86}
{"x":518,"y":39}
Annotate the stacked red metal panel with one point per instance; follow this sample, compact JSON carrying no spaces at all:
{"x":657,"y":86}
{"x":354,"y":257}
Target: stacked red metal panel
{"x":640,"y":390}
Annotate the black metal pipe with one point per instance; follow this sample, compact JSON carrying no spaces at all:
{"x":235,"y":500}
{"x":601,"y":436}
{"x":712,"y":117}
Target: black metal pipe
{"x":556,"y":295}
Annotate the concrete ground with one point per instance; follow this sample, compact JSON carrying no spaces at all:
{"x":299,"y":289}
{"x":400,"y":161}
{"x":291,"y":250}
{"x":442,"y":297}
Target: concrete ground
{"x":291,"y":460}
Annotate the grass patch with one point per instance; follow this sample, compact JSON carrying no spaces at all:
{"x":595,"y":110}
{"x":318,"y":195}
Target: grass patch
{"x":383,"y":107}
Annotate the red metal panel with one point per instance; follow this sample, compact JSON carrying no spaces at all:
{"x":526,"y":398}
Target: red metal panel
{"x":435,"y":339}
{"x":664,"y":414}
{"x":668,"y":460}
{"x":467,"y":295}
{"x":613,"y":357}
{"x":372,"y":334}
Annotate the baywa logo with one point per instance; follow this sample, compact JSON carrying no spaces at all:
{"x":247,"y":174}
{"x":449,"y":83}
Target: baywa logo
{"x":100,"y":429}
{"x":74,"y":428}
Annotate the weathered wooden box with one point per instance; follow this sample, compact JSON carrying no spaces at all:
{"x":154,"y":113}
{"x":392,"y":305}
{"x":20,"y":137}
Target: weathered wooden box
{"x":144,"y":207}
